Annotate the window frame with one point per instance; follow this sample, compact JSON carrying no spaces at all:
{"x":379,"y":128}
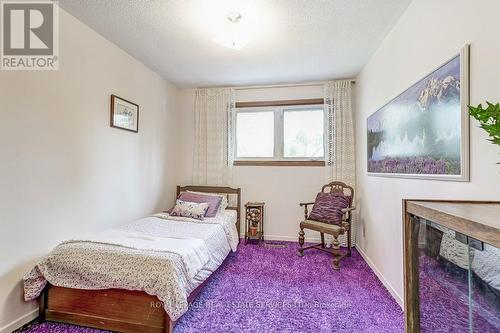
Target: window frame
{"x":279,"y":131}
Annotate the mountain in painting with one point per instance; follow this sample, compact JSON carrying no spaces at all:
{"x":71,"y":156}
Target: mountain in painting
{"x":439,"y":91}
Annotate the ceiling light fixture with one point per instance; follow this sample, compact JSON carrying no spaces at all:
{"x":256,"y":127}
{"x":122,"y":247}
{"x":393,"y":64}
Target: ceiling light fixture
{"x":234,"y":17}
{"x":234,"y":34}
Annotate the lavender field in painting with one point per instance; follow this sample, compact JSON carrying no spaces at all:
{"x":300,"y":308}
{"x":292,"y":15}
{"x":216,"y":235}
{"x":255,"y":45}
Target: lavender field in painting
{"x":419,"y":132}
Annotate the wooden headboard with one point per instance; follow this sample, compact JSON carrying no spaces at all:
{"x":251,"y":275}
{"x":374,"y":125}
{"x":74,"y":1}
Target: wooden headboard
{"x":219,"y":190}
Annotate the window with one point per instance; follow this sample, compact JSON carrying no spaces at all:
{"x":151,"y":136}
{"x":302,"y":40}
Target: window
{"x":303,"y":133}
{"x":279,"y":134}
{"x":255,"y":134}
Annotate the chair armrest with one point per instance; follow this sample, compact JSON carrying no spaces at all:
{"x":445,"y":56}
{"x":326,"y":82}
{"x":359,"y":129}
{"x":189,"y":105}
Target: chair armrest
{"x":347,"y":214}
{"x":346,"y":210}
{"x":305,"y":204}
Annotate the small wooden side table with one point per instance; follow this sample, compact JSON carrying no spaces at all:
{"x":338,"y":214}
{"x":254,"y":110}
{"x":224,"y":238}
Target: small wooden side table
{"x":254,"y":221}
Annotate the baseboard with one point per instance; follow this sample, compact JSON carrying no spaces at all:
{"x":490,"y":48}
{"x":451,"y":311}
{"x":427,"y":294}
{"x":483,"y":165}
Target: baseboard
{"x":386,"y":283}
{"x":19,"y":322}
{"x":287,"y":238}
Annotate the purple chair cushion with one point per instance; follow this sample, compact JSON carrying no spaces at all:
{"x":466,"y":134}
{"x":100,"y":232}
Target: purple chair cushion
{"x":212,"y":200}
{"x":328,"y":207}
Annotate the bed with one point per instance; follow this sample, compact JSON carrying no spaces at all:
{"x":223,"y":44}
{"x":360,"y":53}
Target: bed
{"x":139,"y":277}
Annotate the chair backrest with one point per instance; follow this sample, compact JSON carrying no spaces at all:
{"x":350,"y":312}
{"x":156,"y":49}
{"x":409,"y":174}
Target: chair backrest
{"x":339,"y":187}
{"x":328,"y":207}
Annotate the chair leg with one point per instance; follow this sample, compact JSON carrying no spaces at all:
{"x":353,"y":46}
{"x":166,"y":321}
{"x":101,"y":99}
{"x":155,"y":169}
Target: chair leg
{"x":336,"y":252}
{"x":349,"y":244}
{"x":301,"y":242}
{"x":322,"y":240}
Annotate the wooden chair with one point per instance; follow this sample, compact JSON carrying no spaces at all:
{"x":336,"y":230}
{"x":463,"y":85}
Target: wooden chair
{"x":330,"y":229}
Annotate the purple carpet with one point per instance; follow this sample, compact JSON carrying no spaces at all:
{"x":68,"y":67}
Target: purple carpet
{"x":444,"y":302}
{"x":270,"y":289}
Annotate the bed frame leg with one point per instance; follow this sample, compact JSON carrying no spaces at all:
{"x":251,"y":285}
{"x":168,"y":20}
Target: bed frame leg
{"x":42,"y":303}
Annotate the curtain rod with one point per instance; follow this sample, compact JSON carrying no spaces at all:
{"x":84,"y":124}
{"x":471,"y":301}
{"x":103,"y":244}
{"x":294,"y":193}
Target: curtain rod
{"x":285,"y":85}
{"x":289,"y":85}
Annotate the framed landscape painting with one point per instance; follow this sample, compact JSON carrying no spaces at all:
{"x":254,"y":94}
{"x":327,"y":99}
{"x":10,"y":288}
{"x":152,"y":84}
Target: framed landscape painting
{"x":124,"y":114}
{"x":424,"y":132}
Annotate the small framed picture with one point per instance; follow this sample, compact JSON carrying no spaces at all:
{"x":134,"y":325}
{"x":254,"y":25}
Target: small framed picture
{"x":124,"y":114}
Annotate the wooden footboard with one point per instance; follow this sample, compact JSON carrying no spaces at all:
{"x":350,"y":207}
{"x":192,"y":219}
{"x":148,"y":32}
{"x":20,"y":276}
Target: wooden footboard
{"x":111,"y":309}
{"x":117,"y":310}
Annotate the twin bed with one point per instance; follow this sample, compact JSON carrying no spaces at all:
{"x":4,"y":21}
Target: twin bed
{"x":139,"y":277}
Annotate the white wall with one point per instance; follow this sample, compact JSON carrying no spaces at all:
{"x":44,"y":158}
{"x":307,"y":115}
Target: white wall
{"x":281,"y":188}
{"x":63,"y":170}
{"x":428,"y":33}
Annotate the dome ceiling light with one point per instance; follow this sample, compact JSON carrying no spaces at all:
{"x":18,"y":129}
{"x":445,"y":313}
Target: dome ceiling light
{"x":235,"y":34}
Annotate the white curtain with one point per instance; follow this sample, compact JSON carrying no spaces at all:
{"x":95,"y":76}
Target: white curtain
{"x":213,"y":153}
{"x":340,"y":147}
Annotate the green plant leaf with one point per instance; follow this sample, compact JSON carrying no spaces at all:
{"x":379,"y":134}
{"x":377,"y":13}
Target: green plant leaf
{"x":489,"y":120}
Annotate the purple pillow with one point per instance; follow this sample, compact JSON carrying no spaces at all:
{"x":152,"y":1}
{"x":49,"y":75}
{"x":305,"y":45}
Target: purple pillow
{"x":212,"y":200}
{"x":328,"y":207}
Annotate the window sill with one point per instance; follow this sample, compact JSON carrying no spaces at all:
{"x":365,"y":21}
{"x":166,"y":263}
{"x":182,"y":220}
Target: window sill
{"x":279,"y":163}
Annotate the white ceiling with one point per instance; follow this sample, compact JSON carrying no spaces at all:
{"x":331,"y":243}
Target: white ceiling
{"x":292,"y":40}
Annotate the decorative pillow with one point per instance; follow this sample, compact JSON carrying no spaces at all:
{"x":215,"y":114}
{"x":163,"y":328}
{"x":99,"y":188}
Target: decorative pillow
{"x":189,"y":209}
{"x":212,"y":201}
{"x":328,"y":207}
{"x":224,"y":203}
